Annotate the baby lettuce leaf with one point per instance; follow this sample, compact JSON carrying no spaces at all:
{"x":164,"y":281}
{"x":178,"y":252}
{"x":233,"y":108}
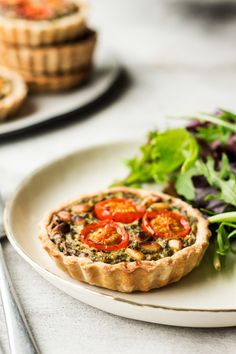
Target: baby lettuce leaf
{"x":164,"y":153}
{"x":184,"y":184}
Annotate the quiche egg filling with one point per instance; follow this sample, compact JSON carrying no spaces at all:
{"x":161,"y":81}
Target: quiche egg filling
{"x":37,"y":10}
{"x":103,"y":229}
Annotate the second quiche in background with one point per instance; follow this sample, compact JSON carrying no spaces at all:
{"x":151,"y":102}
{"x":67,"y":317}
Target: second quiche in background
{"x":47,"y":42}
{"x":13,"y":92}
{"x":41,"y":22}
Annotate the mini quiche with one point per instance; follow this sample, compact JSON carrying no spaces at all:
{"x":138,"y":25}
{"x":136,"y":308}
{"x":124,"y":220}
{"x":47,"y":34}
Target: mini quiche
{"x":56,"y":83}
{"x":41,"y":22}
{"x":13,"y":92}
{"x":62,"y":58}
{"x":126,"y":239}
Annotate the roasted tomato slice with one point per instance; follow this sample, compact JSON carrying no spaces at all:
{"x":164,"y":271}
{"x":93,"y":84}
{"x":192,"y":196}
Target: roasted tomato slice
{"x":35,"y":11}
{"x":105,"y":236}
{"x":165,"y":224}
{"x":119,"y":209}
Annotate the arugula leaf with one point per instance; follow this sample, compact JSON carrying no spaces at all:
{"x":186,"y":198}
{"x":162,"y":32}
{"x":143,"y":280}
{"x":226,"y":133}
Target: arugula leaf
{"x":224,"y":233}
{"x":227,"y":115}
{"x":213,"y":133}
{"x":163,"y":154}
{"x":224,"y":180}
{"x":223,"y":244}
{"x":217,"y":127}
{"x":221,"y":120}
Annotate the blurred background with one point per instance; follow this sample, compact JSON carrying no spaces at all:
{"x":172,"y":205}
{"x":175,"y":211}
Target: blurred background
{"x":182,"y":52}
{"x":180,"y":58}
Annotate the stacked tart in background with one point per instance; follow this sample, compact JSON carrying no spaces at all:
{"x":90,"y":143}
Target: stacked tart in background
{"x":13,"y":92}
{"x":47,"y":42}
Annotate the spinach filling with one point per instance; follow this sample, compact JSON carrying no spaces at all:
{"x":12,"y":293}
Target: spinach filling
{"x":65,"y":228}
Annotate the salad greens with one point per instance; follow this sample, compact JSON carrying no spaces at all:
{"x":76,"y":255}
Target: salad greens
{"x":199,"y":163}
{"x":163,"y":154}
{"x":225,"y":232}
{"x":220,"y":119}
{"x":224,"y":180}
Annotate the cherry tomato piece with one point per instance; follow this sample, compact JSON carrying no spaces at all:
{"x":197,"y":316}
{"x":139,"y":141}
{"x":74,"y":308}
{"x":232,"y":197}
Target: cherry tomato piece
{"x":38,"y":11}
{"x":165,"y":224}
{"x":119,"y":209}
{"x":105,"y":236}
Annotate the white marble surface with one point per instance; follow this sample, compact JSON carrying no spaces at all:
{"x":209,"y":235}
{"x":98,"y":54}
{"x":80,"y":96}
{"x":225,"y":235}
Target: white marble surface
{"x":181,"y":60}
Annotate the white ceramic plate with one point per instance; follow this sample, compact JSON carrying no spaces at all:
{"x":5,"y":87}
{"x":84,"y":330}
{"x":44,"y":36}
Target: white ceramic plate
{"x":41,"y":108}
{"x":204,"y":298}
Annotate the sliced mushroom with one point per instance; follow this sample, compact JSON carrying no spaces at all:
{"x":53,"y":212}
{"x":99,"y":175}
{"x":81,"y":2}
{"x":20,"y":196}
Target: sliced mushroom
{"x":159,"y":206}
{"x":137,"y":255}
{"x":62,"y":228}
{"x":64,"y":216}
{"x":77,"y":220}
{"x":142,"y":237}
{"x":81,"y":208}
{"x":150,"y":246}
{"x":150,"y":200}
{"x":175,"y":245}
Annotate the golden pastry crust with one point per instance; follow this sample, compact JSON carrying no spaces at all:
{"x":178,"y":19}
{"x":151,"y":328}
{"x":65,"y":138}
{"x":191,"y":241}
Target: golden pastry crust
{"x":11,"y":103}
{"x":137,"y":275}
{"x":37,"y":33}
{"x":57,"y":82}
{"x":61,"y":58}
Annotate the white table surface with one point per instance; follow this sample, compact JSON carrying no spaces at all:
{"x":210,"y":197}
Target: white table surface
{"x":180,"y":61}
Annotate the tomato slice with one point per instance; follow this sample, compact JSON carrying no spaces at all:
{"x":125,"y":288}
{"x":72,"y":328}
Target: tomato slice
{"x":105,"y":236}
{"x":35,"y":11}
{"x":165,"y":224}
{"x":119,"y":209}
